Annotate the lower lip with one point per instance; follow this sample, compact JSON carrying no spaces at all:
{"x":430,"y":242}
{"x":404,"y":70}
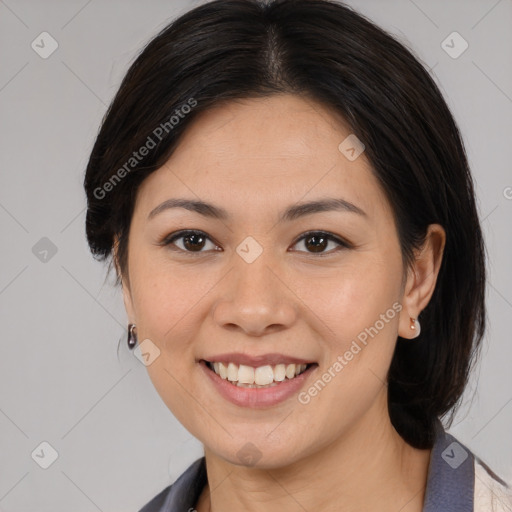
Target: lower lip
{"x":257,"y":398}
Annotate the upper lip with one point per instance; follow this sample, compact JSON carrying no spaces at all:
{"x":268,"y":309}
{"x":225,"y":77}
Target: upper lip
{"x":256,"y":361}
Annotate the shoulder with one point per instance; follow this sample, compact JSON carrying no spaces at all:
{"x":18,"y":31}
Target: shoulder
{"x":183,"y":494}
{"x":492,"y":494}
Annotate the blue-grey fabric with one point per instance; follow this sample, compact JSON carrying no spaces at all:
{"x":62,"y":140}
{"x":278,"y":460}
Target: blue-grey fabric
{"x":450,"y":481}
{"x":451,"y":476}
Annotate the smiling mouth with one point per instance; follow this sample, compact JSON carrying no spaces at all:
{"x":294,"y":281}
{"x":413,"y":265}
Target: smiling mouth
{"x":261,"y":377}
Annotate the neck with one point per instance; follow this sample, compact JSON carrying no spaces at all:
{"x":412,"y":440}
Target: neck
{"x":370,"y":467}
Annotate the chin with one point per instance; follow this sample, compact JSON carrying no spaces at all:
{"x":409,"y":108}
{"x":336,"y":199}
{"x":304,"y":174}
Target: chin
{"x":257,"y":455}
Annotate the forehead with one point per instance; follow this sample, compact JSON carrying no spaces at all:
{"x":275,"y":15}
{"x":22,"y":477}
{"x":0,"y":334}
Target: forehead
{"x":281,"y":148}
{"x":279,"y":126}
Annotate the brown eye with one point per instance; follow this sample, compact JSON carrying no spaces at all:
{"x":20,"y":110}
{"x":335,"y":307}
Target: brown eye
{"x":189,"y":241}
{"x":194,"y":242}
{"x":318,"y":242}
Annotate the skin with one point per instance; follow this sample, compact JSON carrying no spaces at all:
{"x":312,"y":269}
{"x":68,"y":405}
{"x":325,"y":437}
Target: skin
{"x":255,"y":158}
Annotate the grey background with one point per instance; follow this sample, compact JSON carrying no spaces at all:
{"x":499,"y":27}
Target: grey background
{"x":61,"y":379}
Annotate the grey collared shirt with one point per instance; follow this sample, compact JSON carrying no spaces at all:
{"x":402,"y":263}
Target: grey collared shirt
{"x":450,"y":481}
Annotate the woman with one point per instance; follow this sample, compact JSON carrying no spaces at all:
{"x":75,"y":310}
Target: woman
{"x":287,"y":202}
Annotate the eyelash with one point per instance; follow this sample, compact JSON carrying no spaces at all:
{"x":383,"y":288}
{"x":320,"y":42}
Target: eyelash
{"x":170,"y":239}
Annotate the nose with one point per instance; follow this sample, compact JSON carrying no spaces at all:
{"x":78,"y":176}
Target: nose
{"x":255,"y":300}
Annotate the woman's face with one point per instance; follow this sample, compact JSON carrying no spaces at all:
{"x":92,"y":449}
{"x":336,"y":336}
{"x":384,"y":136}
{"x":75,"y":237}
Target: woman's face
{"x":253,"y":288}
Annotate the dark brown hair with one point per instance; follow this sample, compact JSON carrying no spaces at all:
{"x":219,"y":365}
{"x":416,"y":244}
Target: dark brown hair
{"x":231,"y":49}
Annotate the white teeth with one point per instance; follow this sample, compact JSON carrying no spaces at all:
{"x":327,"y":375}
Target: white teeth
{"x":223,"y":371}
{"x":240,"y":385}
{"x":263,"y":375}
{"x":279,"y":372}
{"x":232,"y":372}
{"x":290,"y":371}
{"x":247,"y":376}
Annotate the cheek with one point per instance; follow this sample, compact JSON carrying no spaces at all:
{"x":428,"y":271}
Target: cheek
{"x":358,"y":319}
{"x":169,"y":313}
{"x":167,"y":298}
{"x":352,"y":297}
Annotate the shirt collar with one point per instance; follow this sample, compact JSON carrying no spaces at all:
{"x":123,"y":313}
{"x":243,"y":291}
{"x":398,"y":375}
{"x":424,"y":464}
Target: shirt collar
{"x":451,"y":475}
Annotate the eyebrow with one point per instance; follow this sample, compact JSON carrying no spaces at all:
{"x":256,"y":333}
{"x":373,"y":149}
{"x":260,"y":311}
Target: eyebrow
{"x":291,"y":213}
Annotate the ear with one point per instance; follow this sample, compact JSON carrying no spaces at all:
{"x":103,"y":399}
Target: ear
{"x":422,"y":278}
{"x":127,"y":296}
